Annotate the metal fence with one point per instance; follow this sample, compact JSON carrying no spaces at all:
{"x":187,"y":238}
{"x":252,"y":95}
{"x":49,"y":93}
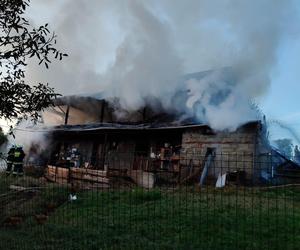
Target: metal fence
{"x":197,"y":202}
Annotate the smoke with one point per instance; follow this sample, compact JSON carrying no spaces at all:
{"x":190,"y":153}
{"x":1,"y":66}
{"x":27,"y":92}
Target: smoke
{"x":286,"y":127}
{"x":27,"y":135}
{"x":216,"y":98}
{"x":138,"y":50}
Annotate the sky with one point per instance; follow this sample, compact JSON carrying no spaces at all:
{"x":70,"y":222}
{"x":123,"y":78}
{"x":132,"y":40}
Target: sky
{"x":280,"y":101}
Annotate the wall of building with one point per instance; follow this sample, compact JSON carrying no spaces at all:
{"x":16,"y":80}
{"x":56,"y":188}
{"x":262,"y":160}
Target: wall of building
{"x":122,"y":156}
{"x":233,"y":151}
{"x":56,"y":116}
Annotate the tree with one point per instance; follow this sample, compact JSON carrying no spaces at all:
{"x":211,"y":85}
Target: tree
{"x":19,"y":41}
{"x":3,"y":137}
{"x":285,"y":146}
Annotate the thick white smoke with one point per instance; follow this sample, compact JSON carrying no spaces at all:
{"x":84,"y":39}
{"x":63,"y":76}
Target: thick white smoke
{"x":138,"y":49}
{"x":34,"y":142}
{"x":27,"y":134}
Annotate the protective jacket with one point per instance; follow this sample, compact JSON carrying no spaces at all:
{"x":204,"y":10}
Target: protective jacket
{"x":18,"y":161}
{"x":19,"y":156}
{"x":10,"y":160}
{"x":10,"y":155}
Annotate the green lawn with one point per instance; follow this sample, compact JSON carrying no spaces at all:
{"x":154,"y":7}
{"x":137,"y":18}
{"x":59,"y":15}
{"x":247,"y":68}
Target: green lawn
{"x":163,"y":219}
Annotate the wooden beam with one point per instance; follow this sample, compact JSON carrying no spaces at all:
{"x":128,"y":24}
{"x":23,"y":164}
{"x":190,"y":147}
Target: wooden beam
{"x":89,"y":171}
{"x":67,"y":115}
{"x":102,"y":111}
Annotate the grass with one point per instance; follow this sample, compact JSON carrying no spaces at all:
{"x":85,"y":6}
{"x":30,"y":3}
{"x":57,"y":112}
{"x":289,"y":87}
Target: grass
{"x":38,"y":199}
{"x":165,"y":219}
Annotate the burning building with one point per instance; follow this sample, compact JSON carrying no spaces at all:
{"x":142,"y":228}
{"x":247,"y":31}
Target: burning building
{"x":100,"y":133}
{"x":90,"y":133}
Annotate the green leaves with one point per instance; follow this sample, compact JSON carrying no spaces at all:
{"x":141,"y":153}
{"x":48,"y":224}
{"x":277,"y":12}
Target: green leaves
{"x":19,"y":42}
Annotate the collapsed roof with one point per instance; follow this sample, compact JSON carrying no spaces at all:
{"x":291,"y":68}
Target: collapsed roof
{"x":96,"y":112}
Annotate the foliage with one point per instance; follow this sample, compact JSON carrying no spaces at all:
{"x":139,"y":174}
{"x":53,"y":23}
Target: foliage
{"x":3,"y":137}
{"x":19,"y":41}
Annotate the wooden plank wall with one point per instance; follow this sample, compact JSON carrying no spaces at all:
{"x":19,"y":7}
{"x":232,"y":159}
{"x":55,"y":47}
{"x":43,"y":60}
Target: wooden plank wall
{"x":76,"y":175}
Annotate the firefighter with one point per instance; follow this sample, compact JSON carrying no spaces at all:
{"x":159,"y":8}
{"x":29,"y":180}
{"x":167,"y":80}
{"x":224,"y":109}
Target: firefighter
{"x":10,"y":160}
{"x":18,"y":160}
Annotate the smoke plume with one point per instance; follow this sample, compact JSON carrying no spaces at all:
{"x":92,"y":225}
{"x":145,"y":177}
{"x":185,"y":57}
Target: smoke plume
{"x":34,"y":142}
{"x":135,"y":50}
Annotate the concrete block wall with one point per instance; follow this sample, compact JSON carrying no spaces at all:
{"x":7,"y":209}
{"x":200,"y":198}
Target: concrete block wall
{"x":234,"y":151}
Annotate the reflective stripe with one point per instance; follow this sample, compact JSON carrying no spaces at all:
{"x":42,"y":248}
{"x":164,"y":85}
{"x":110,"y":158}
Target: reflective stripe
{"x":17,"y":154}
